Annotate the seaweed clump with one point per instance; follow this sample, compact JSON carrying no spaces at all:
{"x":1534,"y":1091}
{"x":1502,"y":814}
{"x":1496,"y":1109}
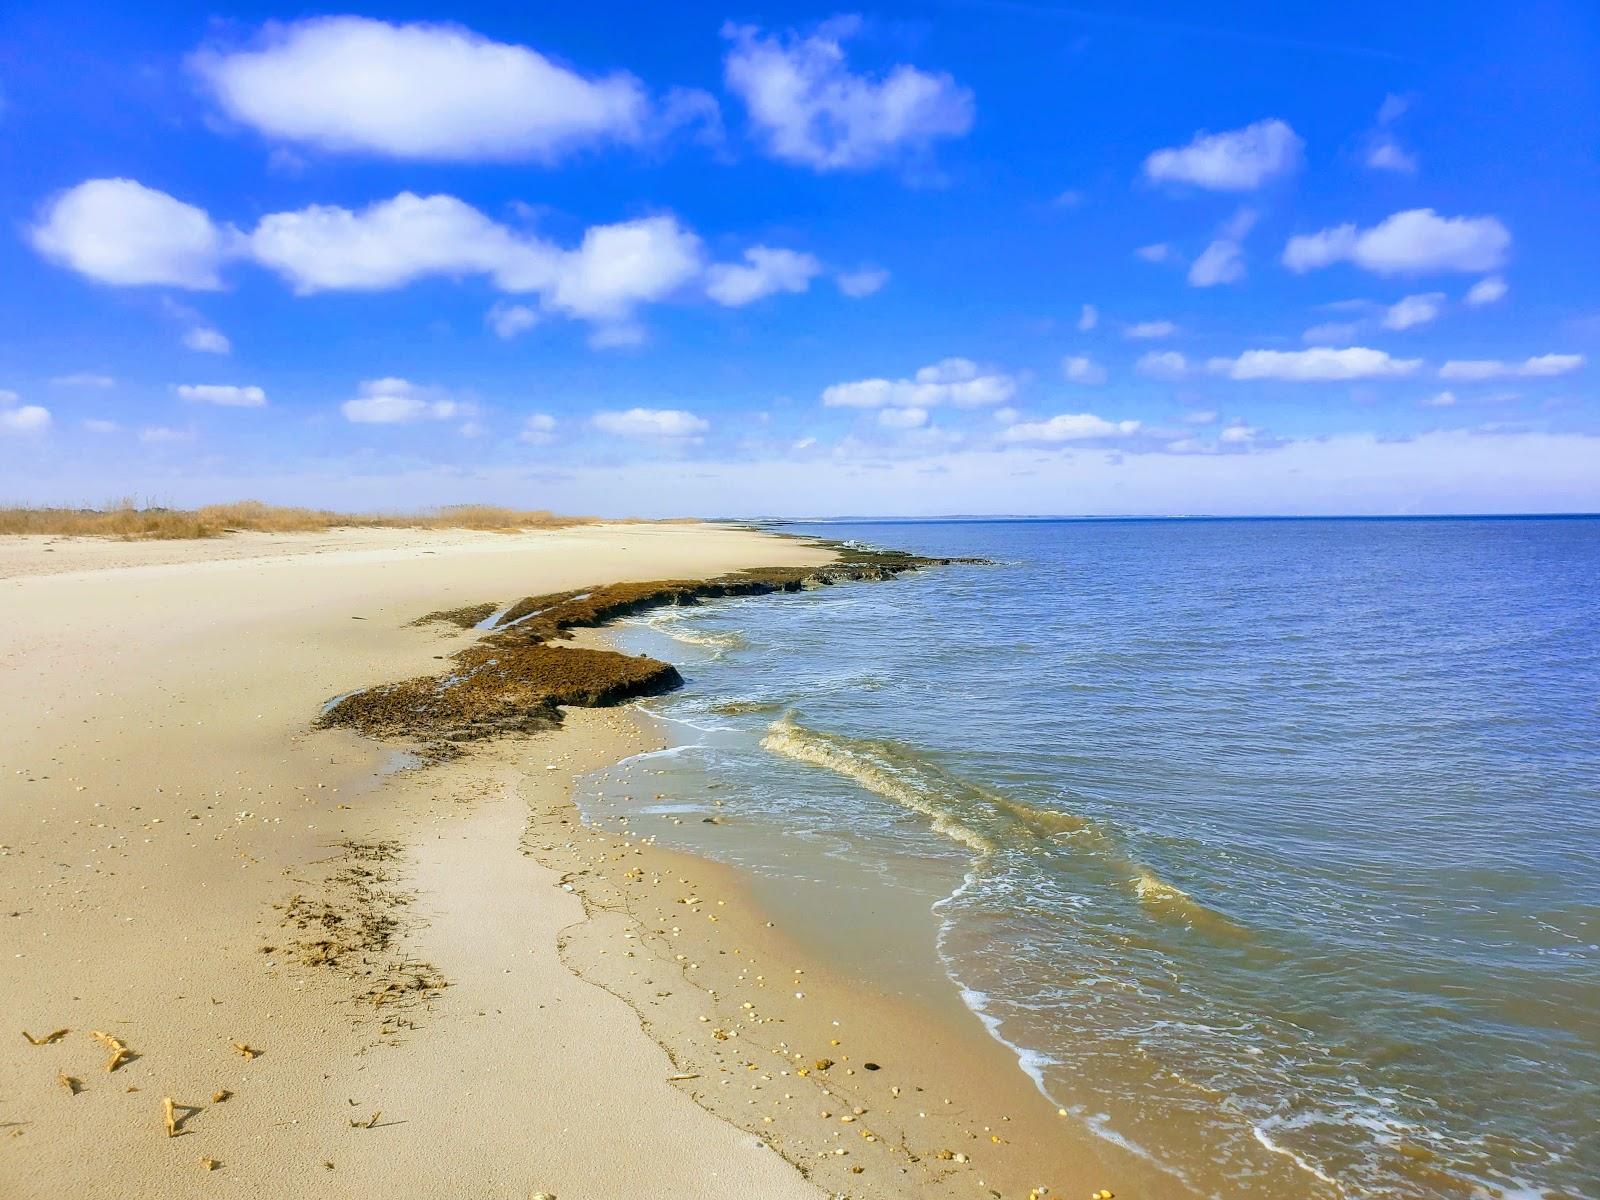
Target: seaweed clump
{"x":513,"y":681}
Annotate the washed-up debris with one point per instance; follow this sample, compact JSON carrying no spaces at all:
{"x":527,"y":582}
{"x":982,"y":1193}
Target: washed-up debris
{"x":219,"y":1097}
{"x":209,"y":1164}
{"x":47,"y":1039}
{"x":72,"y":1083}
{"x":169,"y":1116}
{"x":246,"y":1050}
{"x":370,"y":1123}
{"x":119,"y":1051}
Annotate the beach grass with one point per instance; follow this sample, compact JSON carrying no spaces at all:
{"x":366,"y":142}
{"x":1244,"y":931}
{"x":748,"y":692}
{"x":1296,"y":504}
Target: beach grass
{"x":131,"y":520}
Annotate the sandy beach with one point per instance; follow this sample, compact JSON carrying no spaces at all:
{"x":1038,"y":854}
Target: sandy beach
{"x":356,"y":973}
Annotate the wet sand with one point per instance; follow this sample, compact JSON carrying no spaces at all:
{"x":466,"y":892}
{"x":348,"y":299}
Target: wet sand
{"x":358,"y":975}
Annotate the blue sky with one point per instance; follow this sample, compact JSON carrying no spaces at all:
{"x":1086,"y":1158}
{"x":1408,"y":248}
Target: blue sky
{"x":965,"y":257}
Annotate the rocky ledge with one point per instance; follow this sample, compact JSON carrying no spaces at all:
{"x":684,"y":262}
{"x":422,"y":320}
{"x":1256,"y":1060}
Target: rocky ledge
{"x":513,"y":680}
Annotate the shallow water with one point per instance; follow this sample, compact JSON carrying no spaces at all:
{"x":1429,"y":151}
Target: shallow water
{"x":1272,"y":847}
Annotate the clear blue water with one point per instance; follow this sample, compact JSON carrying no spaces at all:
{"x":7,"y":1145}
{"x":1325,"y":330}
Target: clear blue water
{"x":1274,"y":845}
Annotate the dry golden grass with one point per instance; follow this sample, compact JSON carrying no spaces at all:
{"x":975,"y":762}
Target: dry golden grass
{"x":129,"y":520}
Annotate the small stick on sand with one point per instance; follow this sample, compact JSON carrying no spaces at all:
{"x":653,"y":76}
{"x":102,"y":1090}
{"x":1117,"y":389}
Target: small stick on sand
{"x":47,"y":1039}
{"x":245,"y":1049}
{"x":73,"y":1084}
{"x":119,"y":1052}
{"x":219,"y":1097}
{"x":369,"y":1123}
{"x":210,"y":1164}
{"x":167,"y":1114}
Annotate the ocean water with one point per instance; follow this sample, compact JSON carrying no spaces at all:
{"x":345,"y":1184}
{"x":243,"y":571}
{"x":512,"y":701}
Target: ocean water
{"x":1271,"y":847}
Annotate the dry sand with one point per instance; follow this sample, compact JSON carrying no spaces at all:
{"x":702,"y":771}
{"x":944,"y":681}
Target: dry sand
{"x":443,"y":984}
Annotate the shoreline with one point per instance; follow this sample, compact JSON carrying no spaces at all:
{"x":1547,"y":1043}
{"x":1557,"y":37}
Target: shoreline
{"x":224,"y":853}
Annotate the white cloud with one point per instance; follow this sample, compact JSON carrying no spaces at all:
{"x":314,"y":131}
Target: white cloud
{"x":1541,"y":366}
{"x":207,"y":340}
{"x":864,"y":282}
{"x":651,"y":423}
{"x":1237,"y":161}
{"x":84,"y":379}
{"x":1223,"y":260}
{"x":1088,"y":318}
{"x":1440,"y":400}
{"x":1415,"y":242}
{"x":226,"y":395}
{"x":1356,"y":362}
{"x":98,"y":425}
{"x":1069,"y":427}
{"x":1156,"y":252}
{"x":120,"y":232}
{"x":393,"y":401}
{"x":421,"y":91}
{"x":1331,"y":333}
{"x":1385,"y":154}
{"x":1486,"y":291}
{"x":902,"y":418}
{"x":958,"y":381}
{"x":765,"y":271}
{"x":508,"y":320}
{"x":393,"y":242}
{"x":1204,"y":416}
{"x":620,"y":266}
{"x":620,"y":335}
{"x":1412,"y":311}
{"x":1082,"y":369}
{"x":1162,"y":364}
{"x":808,"y":108}
{"x":1238,"y":435}
{"x":21,"y":418}
{"x":538,"y":430}
{"x":1146,"y":330}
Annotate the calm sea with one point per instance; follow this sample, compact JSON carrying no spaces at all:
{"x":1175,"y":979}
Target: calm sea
{"x":1272,"y":848}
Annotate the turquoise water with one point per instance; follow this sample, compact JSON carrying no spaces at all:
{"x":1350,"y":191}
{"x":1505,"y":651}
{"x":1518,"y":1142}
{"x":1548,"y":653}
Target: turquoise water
{"x":1274,"y":846}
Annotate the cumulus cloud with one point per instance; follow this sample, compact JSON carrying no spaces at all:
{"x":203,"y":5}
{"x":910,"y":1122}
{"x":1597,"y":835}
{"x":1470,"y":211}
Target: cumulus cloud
{"x":224,"y":394}
{"x":393,"y":242}
{"x":957,"y":381}
{"x":1088,"y":318}
{"x":764,"y":272}
{"x":1080,"y":368}
{"x":206,"y":340}
{"x":1412,"y":311}
{"x":650,"y":423}
{"x":1155,"y":252}
{"x":1069,"y":427}
{"x":1162,"y":364}
{"x":1541,"y":366}
{"x":865,"y":282}
{"x":1239,"y":160}
{"x":1319,"y":364}
{"x":392,"y":401}
{"x":1223,"y":260}
{"x":508,"y":320}
{"x":419,"y":91}
{"x":120,"y":232}
{"x":808,"y":108}
{"x":1415,"y":242}
{"x":84,"y":379}
{"x":1147,"y":330}
{"x":1487,"y":290}
{"x":21,"y":418}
